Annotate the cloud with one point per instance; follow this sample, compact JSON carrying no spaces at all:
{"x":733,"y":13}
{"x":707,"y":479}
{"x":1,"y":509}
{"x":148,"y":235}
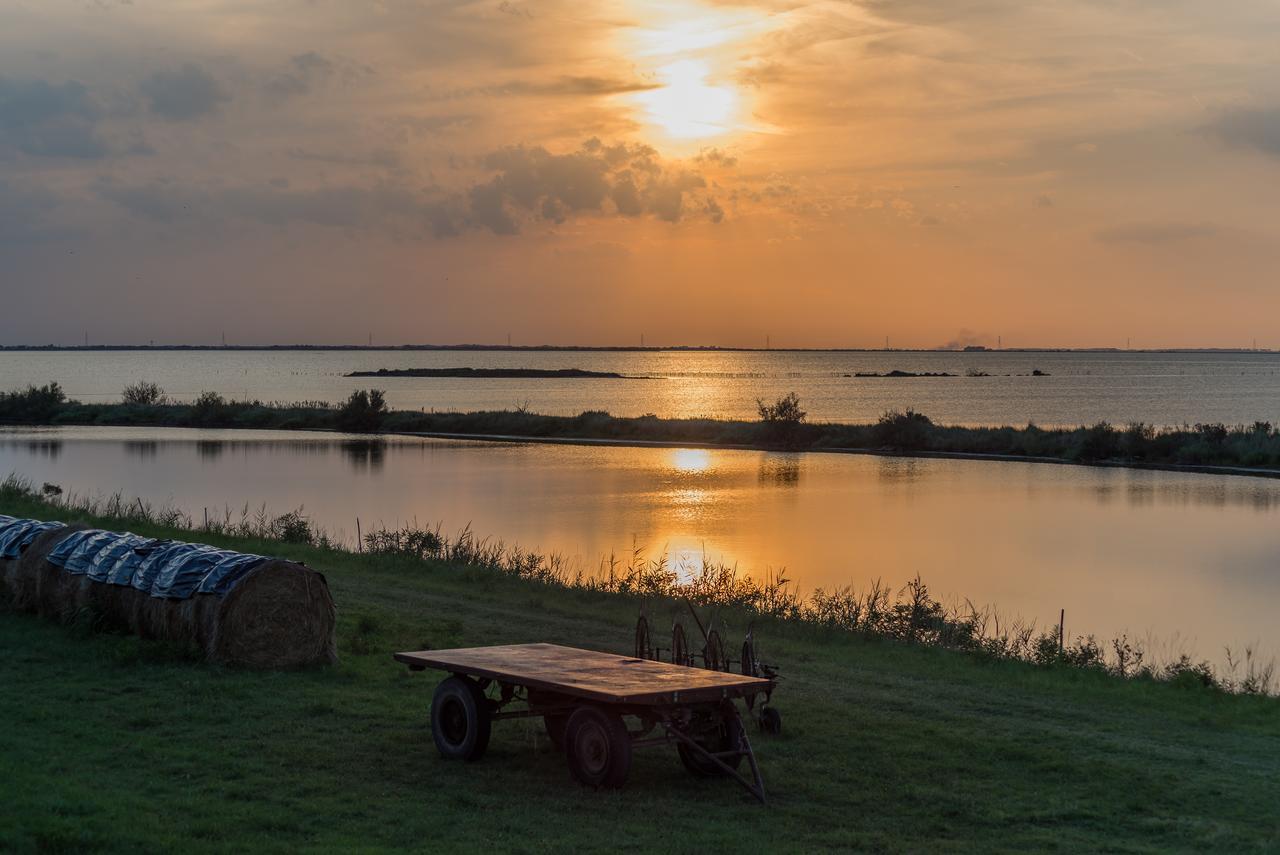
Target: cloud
{"x":1155,"y":233}
{"x":566,"y":85}
{"x":526,"y":185}
{"x":187,"y":93}
{"x":1256,"y":129}
{"x":50,"y":120}
{"x":622,"y":179}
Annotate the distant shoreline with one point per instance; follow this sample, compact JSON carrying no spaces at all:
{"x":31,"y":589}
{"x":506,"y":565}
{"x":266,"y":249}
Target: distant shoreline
{"x":1241,"y":449}
{"x":557,"y":348}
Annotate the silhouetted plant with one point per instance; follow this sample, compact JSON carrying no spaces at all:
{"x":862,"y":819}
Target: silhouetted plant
{"x":34,"y":404}
{"x":907,"y":431}
{"x":363,"y":411}
{"x":143,"y":394}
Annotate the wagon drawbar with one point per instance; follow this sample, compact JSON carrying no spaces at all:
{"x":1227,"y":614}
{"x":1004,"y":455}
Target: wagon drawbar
{"x":585,"y":699}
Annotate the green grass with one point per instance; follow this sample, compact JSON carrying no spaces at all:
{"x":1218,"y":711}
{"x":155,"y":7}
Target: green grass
{"x":111,"y":743}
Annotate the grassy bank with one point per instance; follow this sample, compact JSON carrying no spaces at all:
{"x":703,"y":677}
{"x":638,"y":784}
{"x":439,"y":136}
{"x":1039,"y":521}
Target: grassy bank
{"x":115,"y":744}
{"x":782,"y":425}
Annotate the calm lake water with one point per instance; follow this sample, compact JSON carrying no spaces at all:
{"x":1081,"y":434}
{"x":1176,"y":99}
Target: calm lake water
{"x":1163,"y":389}
{"x":1191,"y":559}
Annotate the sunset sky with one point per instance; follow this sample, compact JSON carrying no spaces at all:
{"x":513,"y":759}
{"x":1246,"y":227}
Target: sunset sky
{"x":822,"y":173}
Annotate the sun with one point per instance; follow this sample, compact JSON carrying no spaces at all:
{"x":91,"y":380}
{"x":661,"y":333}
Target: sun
{"x":687,"y":106}
{"x":689,"y":52}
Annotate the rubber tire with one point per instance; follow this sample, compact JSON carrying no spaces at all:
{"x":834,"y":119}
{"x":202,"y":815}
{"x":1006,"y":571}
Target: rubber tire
{"x":459,"y":701}
{"x":598,"y":748}
{"x":556,"y":726}
{"x":771,"y":721}
{"x":723,"y":740}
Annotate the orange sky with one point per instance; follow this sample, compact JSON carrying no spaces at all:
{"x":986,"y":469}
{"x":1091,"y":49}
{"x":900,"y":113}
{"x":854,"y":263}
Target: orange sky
{"x":826,"y":174}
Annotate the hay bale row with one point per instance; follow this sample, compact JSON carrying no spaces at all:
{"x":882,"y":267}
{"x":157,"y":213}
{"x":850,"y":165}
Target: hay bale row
{"x":267,"y":613}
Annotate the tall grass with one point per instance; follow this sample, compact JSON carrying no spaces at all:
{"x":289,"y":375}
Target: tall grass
{"x":909,"y":614}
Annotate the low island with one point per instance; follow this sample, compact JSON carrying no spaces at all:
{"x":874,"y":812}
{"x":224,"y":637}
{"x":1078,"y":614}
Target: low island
{"x":495,"y":373}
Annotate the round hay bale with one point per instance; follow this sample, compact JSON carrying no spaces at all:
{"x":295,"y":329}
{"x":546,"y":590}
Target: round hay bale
{"x":38,"y":585}
{"x":6,"y":593}
{"x":280,"y":615}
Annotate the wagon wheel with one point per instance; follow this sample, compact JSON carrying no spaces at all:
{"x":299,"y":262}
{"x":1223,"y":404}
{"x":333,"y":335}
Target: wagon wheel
{"x":771,"y":721}
{"x":644,"y":648}
{"x":749,"y":668}
{"x":679,"y":646}
{"x":460,"y":719}
{"x":727,"y":735}
{"x":598,"y":747}
{"x":713,"y":656}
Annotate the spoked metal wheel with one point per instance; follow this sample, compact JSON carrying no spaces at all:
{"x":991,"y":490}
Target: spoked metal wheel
{"x":644,"y":648}
{"x":713,"y":655}
{"x":680,"y":646}
{"x":749,"y":667}
{"x":598,"y":747}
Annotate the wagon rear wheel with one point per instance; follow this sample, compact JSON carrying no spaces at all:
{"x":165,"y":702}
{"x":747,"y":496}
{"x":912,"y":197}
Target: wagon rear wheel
{"x":460,"y":719}
{"x":598,"y":747}
{"x":727,"y":735}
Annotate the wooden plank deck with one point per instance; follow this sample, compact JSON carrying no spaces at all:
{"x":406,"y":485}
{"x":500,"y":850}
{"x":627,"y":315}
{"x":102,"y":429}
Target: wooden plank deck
{"x":588,"y":674}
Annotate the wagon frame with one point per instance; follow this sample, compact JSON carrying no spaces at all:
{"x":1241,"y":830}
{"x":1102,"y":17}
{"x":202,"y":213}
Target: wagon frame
{"x":585,"y":698}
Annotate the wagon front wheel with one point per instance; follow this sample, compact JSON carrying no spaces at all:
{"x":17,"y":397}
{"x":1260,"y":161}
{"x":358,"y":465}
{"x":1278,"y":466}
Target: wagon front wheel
{"x":598,"y":747}
{"x":460,"y":719}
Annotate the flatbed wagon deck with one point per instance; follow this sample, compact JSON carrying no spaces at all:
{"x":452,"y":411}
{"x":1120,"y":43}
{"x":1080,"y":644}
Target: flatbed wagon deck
{"x":587,"y":699}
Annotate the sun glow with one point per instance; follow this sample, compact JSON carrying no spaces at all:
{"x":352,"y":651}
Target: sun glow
{"x":690,"y":53}
{"x":687,"y":106}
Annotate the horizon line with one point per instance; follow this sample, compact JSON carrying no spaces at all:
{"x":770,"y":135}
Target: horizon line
{"x":616,"y":348}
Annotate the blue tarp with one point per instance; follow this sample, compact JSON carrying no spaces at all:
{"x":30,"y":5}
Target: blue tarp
{"x":161,"y":568}
{"x":116,"y":552}
{"x":127,"y":565}
{"x":145,"y":576}
{"x":76,"y":552}
{"x":233,"y":568}
{"x":17,"y":535}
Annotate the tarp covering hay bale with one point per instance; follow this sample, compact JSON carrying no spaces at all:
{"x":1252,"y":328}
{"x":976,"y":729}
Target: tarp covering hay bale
{"x":239,"y":609}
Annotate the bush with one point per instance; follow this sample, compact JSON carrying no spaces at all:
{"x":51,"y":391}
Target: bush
{"x":785,"y":410}
{"x":907,"y":431}
{"x":33,"y":404}
{"x":363,"y":412}
{"x":1100,"y":442}
{"x":143,"y":394}
{"x":209,"y":409}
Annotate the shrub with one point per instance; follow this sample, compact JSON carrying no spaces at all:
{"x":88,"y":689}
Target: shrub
{"x":1100,"y":442}
{"x":32,"y":404}
{"x":143,"y":394}
{"x":209,"y":409}
{"x":363,"y":412}
{"x":292,"y":527}
{"x":786,"y":410}
{"x":907,"y":431}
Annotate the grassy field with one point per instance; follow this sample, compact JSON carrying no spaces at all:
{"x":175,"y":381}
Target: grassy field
{"x":110,"y":743}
